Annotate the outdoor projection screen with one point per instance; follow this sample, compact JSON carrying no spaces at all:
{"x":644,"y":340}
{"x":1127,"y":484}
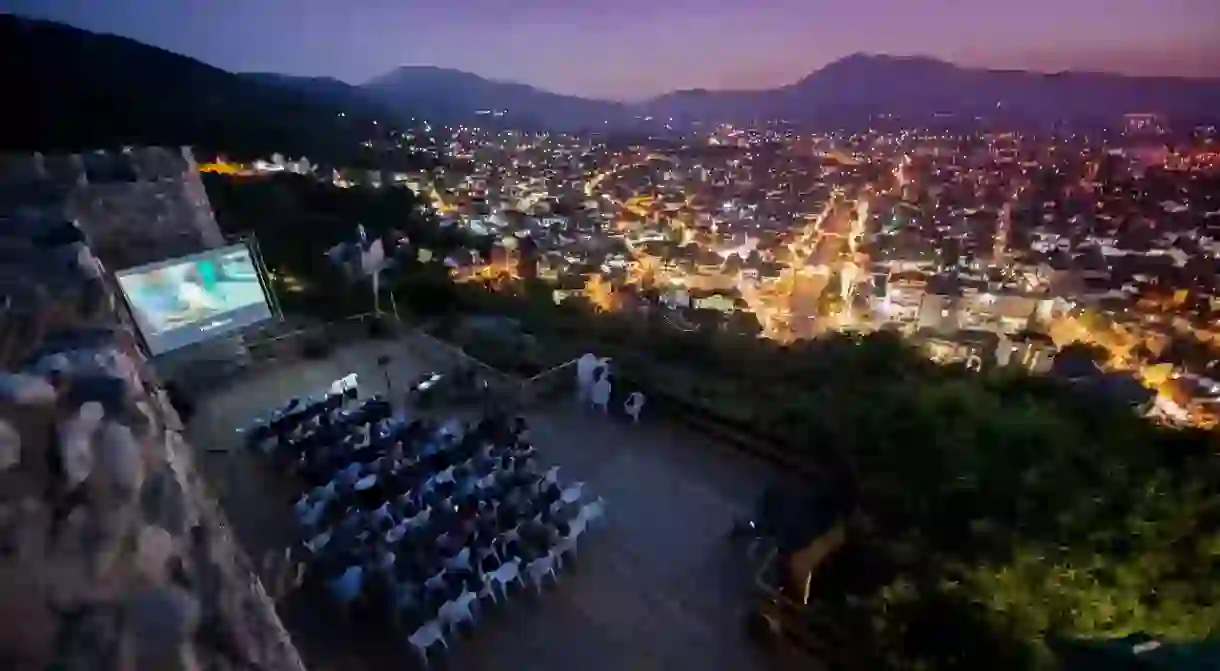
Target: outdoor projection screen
{"x":183,"y":301}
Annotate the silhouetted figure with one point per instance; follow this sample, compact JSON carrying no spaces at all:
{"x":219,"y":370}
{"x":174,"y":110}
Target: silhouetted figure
{"x":633,"y":405}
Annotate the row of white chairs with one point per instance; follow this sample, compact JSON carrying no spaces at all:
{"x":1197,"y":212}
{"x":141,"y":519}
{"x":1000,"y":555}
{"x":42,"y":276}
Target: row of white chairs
{"x":463,"y":608}
{"x":571,"y":494}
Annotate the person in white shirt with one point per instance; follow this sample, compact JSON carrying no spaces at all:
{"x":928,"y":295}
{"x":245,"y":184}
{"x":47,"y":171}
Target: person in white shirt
{"x":585,"y":367}
{"x":601,"y":394}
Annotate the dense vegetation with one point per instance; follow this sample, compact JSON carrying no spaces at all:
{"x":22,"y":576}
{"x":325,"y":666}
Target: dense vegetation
{"x":296,"y":219}
{"x":1002,"y":514}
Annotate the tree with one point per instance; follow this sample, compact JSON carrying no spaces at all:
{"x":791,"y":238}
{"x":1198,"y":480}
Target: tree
{"x":1087,"y":351}
{"x":297,"y":219}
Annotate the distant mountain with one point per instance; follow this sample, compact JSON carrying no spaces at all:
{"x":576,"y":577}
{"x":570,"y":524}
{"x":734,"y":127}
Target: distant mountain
{"x":455,"y":96}
{"x":920,"y":90}
{"x":325,"y":88}
{"x":71,"y":89}
{"x":325,"y":91}
{"x":852,"y":91}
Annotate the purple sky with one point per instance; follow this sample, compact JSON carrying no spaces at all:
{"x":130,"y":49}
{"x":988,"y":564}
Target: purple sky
{"x":634,"y":48}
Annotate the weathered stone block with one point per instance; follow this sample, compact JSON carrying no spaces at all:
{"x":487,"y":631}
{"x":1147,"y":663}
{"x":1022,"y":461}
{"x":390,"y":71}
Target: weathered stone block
{"x":162,"y":501}
{"x":98,"y":489}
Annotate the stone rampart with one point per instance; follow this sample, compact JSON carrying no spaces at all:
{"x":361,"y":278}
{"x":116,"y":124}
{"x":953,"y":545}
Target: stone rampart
{"x":112,"y":555}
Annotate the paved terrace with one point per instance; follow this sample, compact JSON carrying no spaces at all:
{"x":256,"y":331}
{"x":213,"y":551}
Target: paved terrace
{"x":658,"y":586}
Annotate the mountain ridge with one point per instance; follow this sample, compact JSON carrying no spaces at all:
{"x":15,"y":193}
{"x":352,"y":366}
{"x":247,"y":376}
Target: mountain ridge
{"x":921,"y":88}
{"x":854,"y":57}
{"x":916,"y":88}
{"x":140,"y":93}
{"x":81,"y":90}
{"x":460,"y":96}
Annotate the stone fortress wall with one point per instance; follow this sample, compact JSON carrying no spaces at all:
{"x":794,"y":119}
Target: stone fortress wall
{"x":136,"y":205}
{"x":112,"y":554}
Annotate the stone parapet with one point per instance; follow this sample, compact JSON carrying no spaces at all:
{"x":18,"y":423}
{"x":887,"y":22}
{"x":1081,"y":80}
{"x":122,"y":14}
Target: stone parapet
{"x":112,"y":555}
{"x":137,"y":205}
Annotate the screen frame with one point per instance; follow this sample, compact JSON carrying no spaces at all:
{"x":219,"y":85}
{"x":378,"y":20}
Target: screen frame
{"x":214,"y":252}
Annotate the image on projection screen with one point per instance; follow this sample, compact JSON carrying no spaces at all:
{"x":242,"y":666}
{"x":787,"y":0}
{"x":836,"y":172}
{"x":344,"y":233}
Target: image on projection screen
{"x":188,"y":300}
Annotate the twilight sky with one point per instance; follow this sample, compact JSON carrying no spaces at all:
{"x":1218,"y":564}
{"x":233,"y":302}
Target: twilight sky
{"x":631,"y":49}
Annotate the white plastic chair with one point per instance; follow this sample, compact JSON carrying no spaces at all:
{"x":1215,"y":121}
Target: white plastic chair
{"x":437,"y":581}
{"x":459,"y":610}
{"x":315,"y":544}
{"x":425,"y":637}
{"x":594,"y":510}
{"x":469,"y":601}
{"x":513,"y":535}
{"x":460,"y":561}
{"x":540,"y":568}
{"x":489,"y":588}
{"x":568,"y":543}
{"x":573,"y":492}
{"x":394,"y":535}
{"x":508,"y":573}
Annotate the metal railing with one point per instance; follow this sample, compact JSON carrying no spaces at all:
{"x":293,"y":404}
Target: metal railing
{"x":294,"y":345}
{"x":548,"y":382}
{"x":290,"y":345}
{"x":445,"y":354}
{"x":520,"y":392}
{"x":798,"y":623}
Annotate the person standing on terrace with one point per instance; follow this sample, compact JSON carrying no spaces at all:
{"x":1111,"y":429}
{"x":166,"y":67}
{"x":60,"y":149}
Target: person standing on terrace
{"x":586,"y":367}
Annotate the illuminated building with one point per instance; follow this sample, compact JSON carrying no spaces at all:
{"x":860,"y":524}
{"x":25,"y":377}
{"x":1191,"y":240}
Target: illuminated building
{"x":1001,"y":312}
{"x":903,"y":296}
{"x":716,"y":302}
{"x":938,"y":313}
